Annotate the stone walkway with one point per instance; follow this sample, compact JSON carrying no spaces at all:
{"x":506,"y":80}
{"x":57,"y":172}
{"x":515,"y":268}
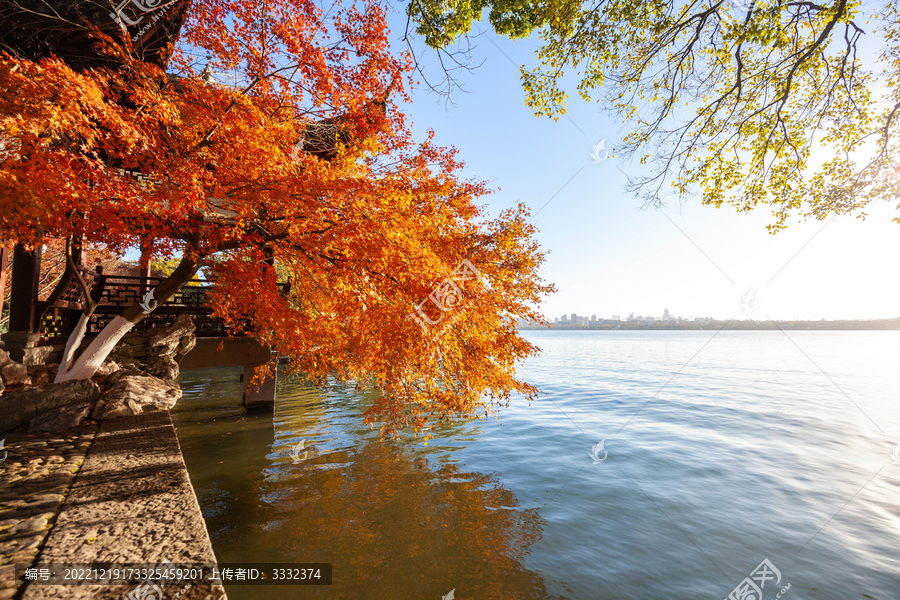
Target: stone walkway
{"x":117,"y":493}
{"x":35,"y":477}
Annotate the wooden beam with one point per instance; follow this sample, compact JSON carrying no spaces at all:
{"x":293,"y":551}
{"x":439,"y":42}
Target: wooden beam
{"x":236,"y":352}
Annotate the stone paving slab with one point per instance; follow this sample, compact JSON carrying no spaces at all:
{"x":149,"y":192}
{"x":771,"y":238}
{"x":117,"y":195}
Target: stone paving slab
{"x":37,"y":471}
{"x":132,"y":502}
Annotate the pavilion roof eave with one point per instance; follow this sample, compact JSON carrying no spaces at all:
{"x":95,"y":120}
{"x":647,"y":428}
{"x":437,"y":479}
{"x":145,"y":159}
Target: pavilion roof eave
{"x":64,"y":29}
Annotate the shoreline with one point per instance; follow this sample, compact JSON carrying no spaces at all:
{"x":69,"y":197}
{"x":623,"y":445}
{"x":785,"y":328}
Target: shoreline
{"x":732,"y":325}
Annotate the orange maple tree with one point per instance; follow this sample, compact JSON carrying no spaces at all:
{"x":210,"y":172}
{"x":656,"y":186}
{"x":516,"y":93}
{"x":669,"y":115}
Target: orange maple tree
{"x":400,"y":280}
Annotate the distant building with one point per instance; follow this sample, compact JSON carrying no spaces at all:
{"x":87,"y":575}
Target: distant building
{"x":617,"y":318}
{"x":666,"y":315}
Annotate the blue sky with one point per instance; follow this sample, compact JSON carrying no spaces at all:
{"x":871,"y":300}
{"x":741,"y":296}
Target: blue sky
{"x":607,"y":255}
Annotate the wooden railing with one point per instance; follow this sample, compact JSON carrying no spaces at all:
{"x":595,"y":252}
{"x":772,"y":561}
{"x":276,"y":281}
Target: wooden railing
{"x":115,"y":293}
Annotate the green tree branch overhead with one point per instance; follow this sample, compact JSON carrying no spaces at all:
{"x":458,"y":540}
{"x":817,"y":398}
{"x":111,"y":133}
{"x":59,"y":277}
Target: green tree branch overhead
{"x":745,"y":103}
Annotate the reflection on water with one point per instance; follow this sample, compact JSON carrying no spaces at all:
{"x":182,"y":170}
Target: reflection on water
{"x":722,"y":452}
{"x":396,"y":521}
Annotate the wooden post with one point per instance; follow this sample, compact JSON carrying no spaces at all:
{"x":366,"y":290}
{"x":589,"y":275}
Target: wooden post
{"x":26,"y":274}
{"x":144,"y":268}
{"x":22,"y":337}
{"x":144,"y":263}
{"x":4,"y":258}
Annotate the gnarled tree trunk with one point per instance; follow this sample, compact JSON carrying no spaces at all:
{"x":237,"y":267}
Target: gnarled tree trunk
{"x":99,"y":349}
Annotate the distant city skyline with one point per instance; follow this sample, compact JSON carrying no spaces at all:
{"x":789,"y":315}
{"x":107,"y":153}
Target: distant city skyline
{"x":667,"y":317}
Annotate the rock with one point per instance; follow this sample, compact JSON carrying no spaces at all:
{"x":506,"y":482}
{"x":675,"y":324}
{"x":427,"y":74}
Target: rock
{"x":60,"y":419}
{"x":163,"y":366}
{"x":42,"y":377}
{"x":108,"y":368}
{"x":111,"y":409}
{"x":126,"y":370}
{"x":154,"y":351}
{"x":13,"y":373}
{"x":132,"y":394}
{"x":4,"y":358}
{"x":42,"y":374}
{"x":170,"y":338}
{"x":23,"y":405}
{"x":186,"y":345}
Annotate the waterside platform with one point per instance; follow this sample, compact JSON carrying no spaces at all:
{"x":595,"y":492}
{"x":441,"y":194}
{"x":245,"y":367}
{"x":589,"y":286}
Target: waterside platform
{"x":127,"y":500}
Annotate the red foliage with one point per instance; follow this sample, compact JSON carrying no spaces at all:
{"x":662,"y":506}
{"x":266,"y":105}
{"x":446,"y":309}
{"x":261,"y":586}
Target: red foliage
{"x":366,"y":230}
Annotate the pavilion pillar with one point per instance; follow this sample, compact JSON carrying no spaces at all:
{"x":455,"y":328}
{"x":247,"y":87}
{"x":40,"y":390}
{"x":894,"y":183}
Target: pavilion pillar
{"x":144,"y":267}
{"x":22,"y":335}
{"x":262,"y":398}
{"x":4,"y":259}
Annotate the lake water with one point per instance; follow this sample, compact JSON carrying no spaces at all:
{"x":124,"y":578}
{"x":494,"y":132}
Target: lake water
{"x":722,"y":450}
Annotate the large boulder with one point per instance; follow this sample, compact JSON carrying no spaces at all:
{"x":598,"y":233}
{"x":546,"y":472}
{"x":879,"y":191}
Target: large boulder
{"x":14,"y":373}
{"x":132,"y":394}
{"x":177,"y":334}
{"x":154,"y":351}
{"x":23,"y":405}
{"x":60,"y":418}
{"x":162,"y":366}
{"x":186,"y":344}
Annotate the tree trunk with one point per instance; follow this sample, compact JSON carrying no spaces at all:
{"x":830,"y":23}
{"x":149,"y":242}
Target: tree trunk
{"x":93,"y":356}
